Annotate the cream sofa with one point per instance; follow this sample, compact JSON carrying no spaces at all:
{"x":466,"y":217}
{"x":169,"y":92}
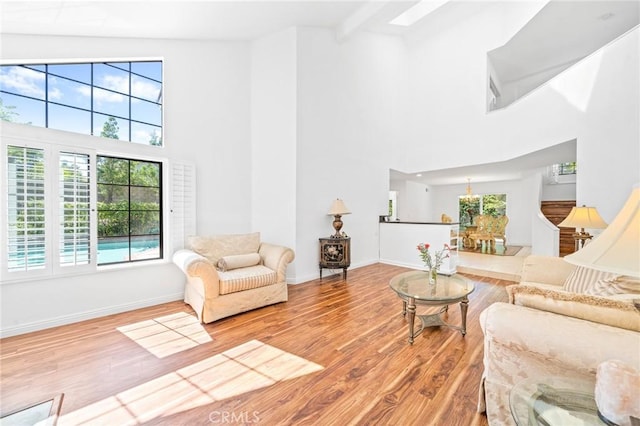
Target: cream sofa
{"x":546,"y":330}
{"x":230,"y":274}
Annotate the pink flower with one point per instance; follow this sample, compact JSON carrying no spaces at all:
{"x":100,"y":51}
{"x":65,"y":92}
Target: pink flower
{"x":439,"y":256}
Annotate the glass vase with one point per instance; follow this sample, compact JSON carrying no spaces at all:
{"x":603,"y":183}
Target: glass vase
{"x":433,"y":276}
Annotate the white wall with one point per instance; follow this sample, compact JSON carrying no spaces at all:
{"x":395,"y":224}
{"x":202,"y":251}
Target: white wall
{"x":350,"y":109}
{"x":595,"y":102}
{"x":273,"y":139}
{"x":206,"y":120}
{"x":608,"y":151}
{"x":559,"y":192}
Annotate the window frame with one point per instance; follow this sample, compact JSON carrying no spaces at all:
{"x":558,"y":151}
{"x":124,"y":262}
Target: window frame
{"x":29,"y":137}
{"x":59,"y":269}
{"x":161,"y":235}
{"x":4,"y":204}
{"x":43,"y":68}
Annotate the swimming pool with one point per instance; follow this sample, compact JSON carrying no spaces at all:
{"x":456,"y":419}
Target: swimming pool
{"x":118,"y":251}
{"x":108,"y":252}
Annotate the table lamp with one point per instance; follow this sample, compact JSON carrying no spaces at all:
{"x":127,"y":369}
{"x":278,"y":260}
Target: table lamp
{"x":583,"y":217}
{"x":337,"y":210}
{"x":617,"y":248}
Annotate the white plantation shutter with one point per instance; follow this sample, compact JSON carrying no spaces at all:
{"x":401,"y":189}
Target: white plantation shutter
{"x":26,"y":234}
{"x":74,"y":204}
{"x":183,"y":203}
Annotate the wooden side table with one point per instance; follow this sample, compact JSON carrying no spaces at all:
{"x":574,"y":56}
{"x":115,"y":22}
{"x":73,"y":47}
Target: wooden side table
{"x":335,"y":253}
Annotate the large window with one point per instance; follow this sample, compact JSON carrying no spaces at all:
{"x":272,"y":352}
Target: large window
{"x":129,"y":210}
{"x":489,"y":204}
{"x":69,"y":210}
{"x":117,"y":100}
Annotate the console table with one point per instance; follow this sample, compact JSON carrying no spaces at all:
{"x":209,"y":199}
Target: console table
{"x":335,"y":253}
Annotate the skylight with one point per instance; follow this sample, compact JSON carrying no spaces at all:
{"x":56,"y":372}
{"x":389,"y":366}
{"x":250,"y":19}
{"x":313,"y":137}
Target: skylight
{"x":417,"y":12}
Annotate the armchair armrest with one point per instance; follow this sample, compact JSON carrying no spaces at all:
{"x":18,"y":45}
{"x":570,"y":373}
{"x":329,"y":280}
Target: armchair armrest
{"x":199,"y":271}
{"x":545,"y":270}
{"x":277,"y":258}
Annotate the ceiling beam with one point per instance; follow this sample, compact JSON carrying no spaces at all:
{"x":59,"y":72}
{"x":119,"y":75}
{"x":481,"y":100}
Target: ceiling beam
{"x":358,"y":19}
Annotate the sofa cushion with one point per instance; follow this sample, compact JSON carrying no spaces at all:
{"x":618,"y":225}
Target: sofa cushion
{"x":582,"y":279}
{"x":615,"y":286}
{"x":228,"y":263}
{"x":617,"y":313}
{"x":217,"y":246}
{"x":246,"y":278}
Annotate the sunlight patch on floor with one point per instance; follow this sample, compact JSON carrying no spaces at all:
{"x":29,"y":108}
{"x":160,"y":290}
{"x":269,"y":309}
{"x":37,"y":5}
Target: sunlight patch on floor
{"x":167,"y":335}
{"x":250,"y":366}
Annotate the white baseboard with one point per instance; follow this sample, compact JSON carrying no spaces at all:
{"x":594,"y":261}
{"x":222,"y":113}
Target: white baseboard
{"x":328,"y":272}
{"x":86,"y":315}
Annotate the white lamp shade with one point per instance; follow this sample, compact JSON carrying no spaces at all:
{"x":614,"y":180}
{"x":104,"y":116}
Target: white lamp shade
{"x":338,"y":208}
{"x":617,"y":248}
{"x":583,"y":217}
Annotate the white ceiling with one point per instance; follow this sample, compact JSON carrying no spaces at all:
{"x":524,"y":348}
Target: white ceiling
{"x":562,"y":33}
{"x":513,"y":169}
{"x":202,"y":20}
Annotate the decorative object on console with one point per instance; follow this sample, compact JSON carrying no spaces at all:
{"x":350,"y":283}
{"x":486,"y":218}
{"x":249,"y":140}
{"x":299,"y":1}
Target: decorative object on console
{"x":337,"y":210}
{"x":583,"y":217}
{"x":433,"y":264}
{"x":617,"y":248}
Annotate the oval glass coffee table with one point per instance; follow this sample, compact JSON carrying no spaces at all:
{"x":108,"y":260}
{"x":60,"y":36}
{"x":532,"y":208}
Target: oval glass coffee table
{"x":414,"y":289}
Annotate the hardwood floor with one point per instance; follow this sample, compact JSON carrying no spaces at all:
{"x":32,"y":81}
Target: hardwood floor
{"x":335,"y":353}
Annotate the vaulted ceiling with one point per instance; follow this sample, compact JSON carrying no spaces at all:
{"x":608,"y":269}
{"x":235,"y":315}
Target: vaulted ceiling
{"x":589,"y":27}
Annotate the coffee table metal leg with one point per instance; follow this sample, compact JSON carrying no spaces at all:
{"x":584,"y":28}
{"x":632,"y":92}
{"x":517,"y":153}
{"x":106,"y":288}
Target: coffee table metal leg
{"x":404,"y":308}
{"x":411,"y":308}
{"x":464,"y":305}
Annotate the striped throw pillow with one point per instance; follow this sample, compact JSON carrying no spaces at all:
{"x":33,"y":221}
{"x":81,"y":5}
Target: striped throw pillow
{"x":582,"y":279}
{"x":614,"y":286}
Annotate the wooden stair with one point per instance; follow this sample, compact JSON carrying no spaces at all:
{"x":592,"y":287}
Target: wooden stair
{"x":556,"y":211}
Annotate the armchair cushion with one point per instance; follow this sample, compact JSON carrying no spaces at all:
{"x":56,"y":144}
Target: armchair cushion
{"x":246,"y":278}
{"x":228,"y":263}
{"x":216,"y":247}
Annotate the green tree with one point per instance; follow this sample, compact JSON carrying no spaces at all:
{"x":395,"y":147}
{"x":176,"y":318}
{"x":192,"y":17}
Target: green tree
{"x":110,"y":129}
{"x":155,"y":140}
{"x":469,"y":209}
{"x":494,"y":204}
{"x":7,"y":112}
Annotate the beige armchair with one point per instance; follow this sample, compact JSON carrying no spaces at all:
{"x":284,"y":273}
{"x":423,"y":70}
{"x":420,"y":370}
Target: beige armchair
{"x":230,"y":274}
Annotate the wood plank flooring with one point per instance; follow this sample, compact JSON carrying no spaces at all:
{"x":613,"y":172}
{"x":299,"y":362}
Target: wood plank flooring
{"x":335,"y":354}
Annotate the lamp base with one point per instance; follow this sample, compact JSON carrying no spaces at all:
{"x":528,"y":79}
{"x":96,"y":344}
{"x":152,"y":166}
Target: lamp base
{"x":337,"y":225}
{"x":580,"y":239}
